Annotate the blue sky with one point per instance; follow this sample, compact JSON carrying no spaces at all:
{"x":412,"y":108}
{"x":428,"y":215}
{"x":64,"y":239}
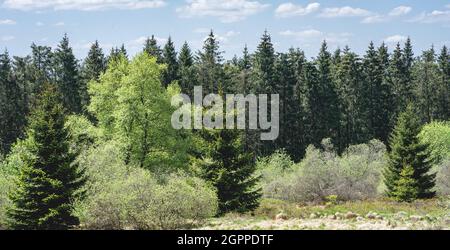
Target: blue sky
{"x":292,"y":23}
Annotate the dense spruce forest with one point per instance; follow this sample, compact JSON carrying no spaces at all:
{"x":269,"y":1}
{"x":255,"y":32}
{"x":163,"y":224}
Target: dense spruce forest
{"x":88,"y":143}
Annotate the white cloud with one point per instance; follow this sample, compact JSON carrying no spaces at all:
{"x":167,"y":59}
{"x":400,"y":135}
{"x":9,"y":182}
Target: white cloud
{"x":60,"y":24}
{"x":7,"y":38}
{"x":375,"y":19}
{"x":39,"y":24}
{"x":227,"y":11}
{"x":435,"y":16}
{"x":313,"y":35}
{"x":346,"y":11}
{"x":7,"y":22}
{"x":224,"y":38}
{"x":290,"y":9}
{"x":396,"y":12}
{"x":303,"y":35}
{"x":84,"y":5}
{"x":140,"y":41}
{"x":400,"y":11}
{"x":395,"y":39}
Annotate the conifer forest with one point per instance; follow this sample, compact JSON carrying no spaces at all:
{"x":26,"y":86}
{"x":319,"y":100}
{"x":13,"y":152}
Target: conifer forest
{"x":89,"y":143}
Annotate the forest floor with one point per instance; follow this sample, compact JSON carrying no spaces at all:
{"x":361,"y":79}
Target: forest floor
{"x":364,"y":215}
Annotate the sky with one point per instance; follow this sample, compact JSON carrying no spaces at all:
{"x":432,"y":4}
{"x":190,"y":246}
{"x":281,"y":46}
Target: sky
{"x":295,"y":23}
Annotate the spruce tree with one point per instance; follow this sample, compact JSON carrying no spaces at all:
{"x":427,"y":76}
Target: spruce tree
{"x":327,"y":99}
{"x":67,"y":77}
{"x":408,"y":151}
{"x":426,"y":86}
{"x":170,"y":59}
{"x":49,"y":183}
{"x":387,"y":102}
{"x":444,"y":86}
{"x":264,"y":82}
{"x":12,"y":106}
{"x":152,"y":48}
{"x":95,"y":63}
{"x":352,"y":95}
{"x":186,"y":71}
{"x":210,"y":70}
{"x":377,"y":93}
{"x":231,"y":170}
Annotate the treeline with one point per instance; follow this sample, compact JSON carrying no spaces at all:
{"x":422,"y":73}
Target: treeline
{"x":339,"y":95}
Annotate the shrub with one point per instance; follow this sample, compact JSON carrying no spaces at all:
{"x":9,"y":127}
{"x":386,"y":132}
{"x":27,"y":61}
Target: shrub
{"x":443,"y":178}
{"x":353,"y":176}
{"x":128,"y":197}
{"x":437,"y":136}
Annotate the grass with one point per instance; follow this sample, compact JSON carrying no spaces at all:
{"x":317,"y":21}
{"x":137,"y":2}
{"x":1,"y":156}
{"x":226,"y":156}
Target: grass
{"x":436,"y":207}
{"x":433,"y":214}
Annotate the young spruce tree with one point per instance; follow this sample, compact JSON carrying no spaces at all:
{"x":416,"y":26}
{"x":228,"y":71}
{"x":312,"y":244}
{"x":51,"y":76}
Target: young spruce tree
{"x":408,"y":152}
{"x":48,"y":184}
{"x":231,"y":170}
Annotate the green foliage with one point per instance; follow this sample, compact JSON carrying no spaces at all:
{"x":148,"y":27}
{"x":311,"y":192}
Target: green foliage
{"x":353,"y":176}
{"x":437,"y":136}
{"x":127,"y":197}
{"x":407,"y":150}
{"x":48,"y":183}
{"x":133,"y":107}
{"x":406,"y":188}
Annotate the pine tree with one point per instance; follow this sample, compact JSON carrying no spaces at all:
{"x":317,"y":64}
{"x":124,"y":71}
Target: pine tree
{"x":48,"y":184}
{"x":408,"y":151}
{"x":170,"y":59}
{"x":152,"y":48}
{"x":12,"y":106}
{"x":186,"y":70}
{"x":231,"y":171}
{"x":67,"y":77}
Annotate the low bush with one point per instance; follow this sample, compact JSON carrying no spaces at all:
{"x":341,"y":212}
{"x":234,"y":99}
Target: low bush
{"x":443,"y":178}
{"x":128,"y":197}
{"x":322,"y":173}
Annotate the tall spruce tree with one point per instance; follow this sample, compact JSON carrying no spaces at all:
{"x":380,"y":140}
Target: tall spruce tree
{"x":408,"y":152}
{"x":12,"y":108}
{"x":95,"y":63}
{"x":387,"y":102}
{"x":444,"y":86}
{"x":49,"y":183}
{"x":170,"y":59}
{"x":231,"y":170}
{"x":353,"y":125}
{"x":426,"y":85}
{"x":186,"y":70}
{"x":377,"y":93}
{"x":327,"y":99}
{"x":152,"y":48}
{"x":265,"y":83}
{"x":67,"y":77}
{"x":209,"y":68}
